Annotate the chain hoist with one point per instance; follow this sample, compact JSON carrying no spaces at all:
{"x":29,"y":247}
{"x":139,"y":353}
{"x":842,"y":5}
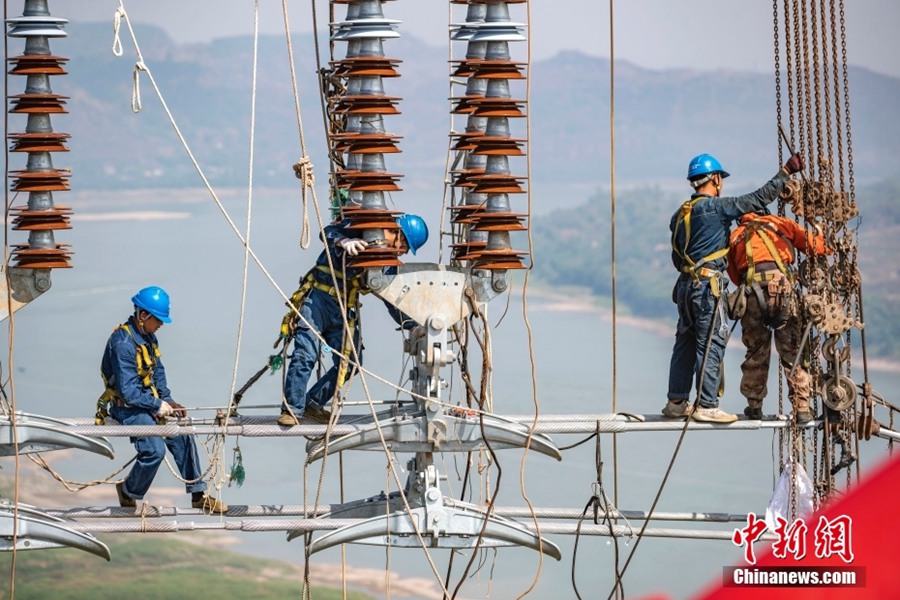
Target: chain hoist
{"x":816,"y":77}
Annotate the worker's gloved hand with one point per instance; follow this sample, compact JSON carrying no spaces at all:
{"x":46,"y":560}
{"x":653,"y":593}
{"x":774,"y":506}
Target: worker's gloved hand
{"x":178,"y":410}
{"x":353,"y":246}
{"x":165,"y":409}
{"x":794,"y":164}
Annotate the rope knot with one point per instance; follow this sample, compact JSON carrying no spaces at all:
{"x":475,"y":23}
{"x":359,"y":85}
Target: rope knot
{"x":303,"y":169}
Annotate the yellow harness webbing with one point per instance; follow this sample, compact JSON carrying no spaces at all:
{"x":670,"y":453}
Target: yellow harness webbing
{"x":689,"y":266}
{"x":145,"y":356}
{"x":763,"y":230}
{"x":352,"y":290}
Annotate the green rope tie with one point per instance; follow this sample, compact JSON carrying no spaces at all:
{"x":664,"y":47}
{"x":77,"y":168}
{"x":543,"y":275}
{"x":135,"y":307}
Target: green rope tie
{"x":276,"y":361}
{"x":237,"y":469}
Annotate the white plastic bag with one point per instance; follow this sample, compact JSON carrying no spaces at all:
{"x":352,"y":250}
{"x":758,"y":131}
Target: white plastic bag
{"x":780,"y":504}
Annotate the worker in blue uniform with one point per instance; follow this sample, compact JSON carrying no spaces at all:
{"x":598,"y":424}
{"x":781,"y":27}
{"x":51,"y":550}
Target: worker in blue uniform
{"x":137,"y":393}
{"x":700,"y":229}
{"x":317,"y":302}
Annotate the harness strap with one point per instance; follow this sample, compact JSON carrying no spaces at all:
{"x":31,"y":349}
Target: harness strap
{"x":353,"y":289}
{"x":689,"y":266}
{"x":764,"y":231}
{"x":771,"y":317}
{"x":701,"y":272}
{"x":145,"y":361}
{"x":309,"y":282}
{"x":765,"y":276}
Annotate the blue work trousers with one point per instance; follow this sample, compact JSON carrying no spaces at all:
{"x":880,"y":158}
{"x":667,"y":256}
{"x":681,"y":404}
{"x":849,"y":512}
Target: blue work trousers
{"x":697,"y":316}
{"x":323,"y":313}
{"x":152,"y":450}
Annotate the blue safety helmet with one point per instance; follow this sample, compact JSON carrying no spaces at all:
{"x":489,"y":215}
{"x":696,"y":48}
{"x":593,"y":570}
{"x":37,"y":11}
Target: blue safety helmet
{"x":155,"y":301}
{"x":414,"y":230}
{"x":704,"y":164}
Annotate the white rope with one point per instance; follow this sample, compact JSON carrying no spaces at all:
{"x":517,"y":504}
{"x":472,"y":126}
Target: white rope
{"x":140,"y":66}
{"x":256,"y":260}
{"x":303,"y":167}
{"x":246,"y":261}
{"x":354,"y":358}
{"x":117,"y":23}
{"x":136,"y":86}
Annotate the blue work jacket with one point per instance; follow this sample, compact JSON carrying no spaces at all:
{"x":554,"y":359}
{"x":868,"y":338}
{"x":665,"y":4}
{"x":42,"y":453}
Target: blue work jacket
{"x":331,"y":235}
{"x":711,"y":220}
{"x":119,"y":367}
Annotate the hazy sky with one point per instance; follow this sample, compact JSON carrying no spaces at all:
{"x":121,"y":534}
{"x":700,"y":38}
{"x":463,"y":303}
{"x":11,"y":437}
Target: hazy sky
{"x":707,"y":34}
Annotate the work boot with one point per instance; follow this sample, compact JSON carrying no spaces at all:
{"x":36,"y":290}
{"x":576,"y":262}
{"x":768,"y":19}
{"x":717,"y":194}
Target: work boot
{"x":318,"y":413}
{"x":677,"y":410}
{"x":712,"y":415}
{"x":287,"y":420}
{"x":124,"y":501}
{"x":210,"y":505}
{"x":753,"y":411}
{"x":802,"y":414}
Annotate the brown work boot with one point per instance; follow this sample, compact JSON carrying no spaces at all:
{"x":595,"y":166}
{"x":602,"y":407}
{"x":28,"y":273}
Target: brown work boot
{"x":124,"y":501}
{"x":210,"y":505}
{"x":753,"y":411}
{"x":677,"y":410}
{"x":287,"y":420}
{"x":802,"y":414}
{"x":317,"y":413}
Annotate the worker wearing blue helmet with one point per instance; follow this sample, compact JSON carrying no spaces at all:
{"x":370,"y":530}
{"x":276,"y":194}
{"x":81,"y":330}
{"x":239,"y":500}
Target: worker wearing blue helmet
{"x":321,"y":317}
{"x":137,"y":393}
{"x":700,"y":229}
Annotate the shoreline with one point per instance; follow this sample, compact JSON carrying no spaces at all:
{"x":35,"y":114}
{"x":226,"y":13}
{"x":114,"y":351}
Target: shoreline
{"x":555,"y":301}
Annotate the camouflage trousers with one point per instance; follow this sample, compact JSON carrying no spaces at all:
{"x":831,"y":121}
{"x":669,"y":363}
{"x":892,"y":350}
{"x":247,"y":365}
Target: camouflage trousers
{"x":757,"y":339}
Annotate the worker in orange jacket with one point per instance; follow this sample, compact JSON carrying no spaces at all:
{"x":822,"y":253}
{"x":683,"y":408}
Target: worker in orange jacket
{"x":762,"y":251}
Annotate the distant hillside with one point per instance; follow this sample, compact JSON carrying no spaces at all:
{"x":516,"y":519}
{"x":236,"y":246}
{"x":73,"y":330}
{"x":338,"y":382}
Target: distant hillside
{"x":159,"y":567}
{"x":662,"y":117}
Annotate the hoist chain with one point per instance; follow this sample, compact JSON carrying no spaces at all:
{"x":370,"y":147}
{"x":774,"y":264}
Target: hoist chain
{"x":819,"y":118}
{"x":777,"y":75}
{"x":846,"y":68}
{"x":826,"y":81}
{"x":815,"y":99}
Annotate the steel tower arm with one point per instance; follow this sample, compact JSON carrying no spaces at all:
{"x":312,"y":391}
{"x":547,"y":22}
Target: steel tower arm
{"x":37,"y":531}
{"x":21,"y":287}
{"x":441,"y":522}
{"x":35,"y":433}
{"x":445,"y":432}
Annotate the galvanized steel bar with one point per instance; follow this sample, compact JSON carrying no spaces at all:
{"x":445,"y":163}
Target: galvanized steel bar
{"x":156,"y":526}
{"x":296,"y":510}
{"x":560,"y":424}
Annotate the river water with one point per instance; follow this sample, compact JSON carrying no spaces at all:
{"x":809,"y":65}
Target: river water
{"x":181,"y":241}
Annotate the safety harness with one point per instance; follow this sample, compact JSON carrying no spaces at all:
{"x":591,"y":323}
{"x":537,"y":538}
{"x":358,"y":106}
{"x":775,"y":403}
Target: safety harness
{"x":779,"y":283}
{"x":352,"y":289}
{"x":695,"y":269}
{"x":146,"y":357}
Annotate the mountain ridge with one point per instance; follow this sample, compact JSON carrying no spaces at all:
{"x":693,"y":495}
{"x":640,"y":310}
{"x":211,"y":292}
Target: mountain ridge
{"x":663,"y":117}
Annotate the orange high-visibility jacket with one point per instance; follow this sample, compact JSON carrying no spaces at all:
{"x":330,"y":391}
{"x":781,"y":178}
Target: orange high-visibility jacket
{"x":788,"y":233}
